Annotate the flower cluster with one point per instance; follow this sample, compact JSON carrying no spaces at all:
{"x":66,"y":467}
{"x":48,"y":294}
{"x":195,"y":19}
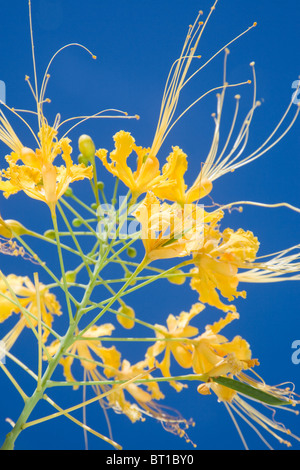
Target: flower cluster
{"x":174,"y":223}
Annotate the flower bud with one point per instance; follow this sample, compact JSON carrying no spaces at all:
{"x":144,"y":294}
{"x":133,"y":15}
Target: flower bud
{"x":10,"y":227}
{"x":127,"y":323}
{"x":82,"y":159}
{"x":68,"y":192}
{"x":131,"y":252}
{"x":86,"y":146}
{"x":50,"y":234}
{"x":76,"y":222}
{"x":70,"y":276}
{"x":178,"y":279}
{"x":100,"y":185}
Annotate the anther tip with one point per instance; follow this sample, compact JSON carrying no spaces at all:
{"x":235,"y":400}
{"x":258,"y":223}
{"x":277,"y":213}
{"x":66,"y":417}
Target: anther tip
{"x":249,"y":81}
{"x":94,"y":56}
{"x":252,"y":63}
{"x":137,"y":116}
{"x":255,"y":23}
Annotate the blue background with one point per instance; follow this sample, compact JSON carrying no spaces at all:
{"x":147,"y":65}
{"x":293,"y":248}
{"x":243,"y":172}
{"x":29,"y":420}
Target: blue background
{"x":136,"y":42}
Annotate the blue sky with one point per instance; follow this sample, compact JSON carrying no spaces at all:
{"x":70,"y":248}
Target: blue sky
{"x":136,"y":42}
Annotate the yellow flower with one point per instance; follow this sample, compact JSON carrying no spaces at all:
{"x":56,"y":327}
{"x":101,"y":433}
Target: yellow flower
{"x":169,"y":231}
{"x":145,"y":397}
{"x":26,"y":295}
{"x":212,"y":350}
{"x":171,"y":184}
{"x":147,"y":167}
{"x":177,"y":328}
{"x":38,"y":177}
{"x":218,"y":262}
{"x":83,"y":348}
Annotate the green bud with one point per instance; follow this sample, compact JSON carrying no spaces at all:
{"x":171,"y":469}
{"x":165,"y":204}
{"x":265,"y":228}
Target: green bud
{"x":131,"y":252}
{"x":178,"y":279}
{"x":94,"y":206}
{"x":83,"y":159}
{"x":76,"y":222}
{"x":50,"y":234}
{"x":68,"y":192}
{"x":86,"y":146}
{"x":70,"y":276}
{"x":100,"y":185}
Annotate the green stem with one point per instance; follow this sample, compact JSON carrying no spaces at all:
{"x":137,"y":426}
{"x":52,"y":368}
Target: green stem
{"x":117,"y":295}
{"x":142,"y":284}
{"x":14,"y":382}
{"x":187,"y":377}
{"x":74,"y":238}
{"x":65,"y":343}
{"x":53,"y":242}
{"x":81,"y":203}
{"x":37,"y":395}
{"x":61,"y":261}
